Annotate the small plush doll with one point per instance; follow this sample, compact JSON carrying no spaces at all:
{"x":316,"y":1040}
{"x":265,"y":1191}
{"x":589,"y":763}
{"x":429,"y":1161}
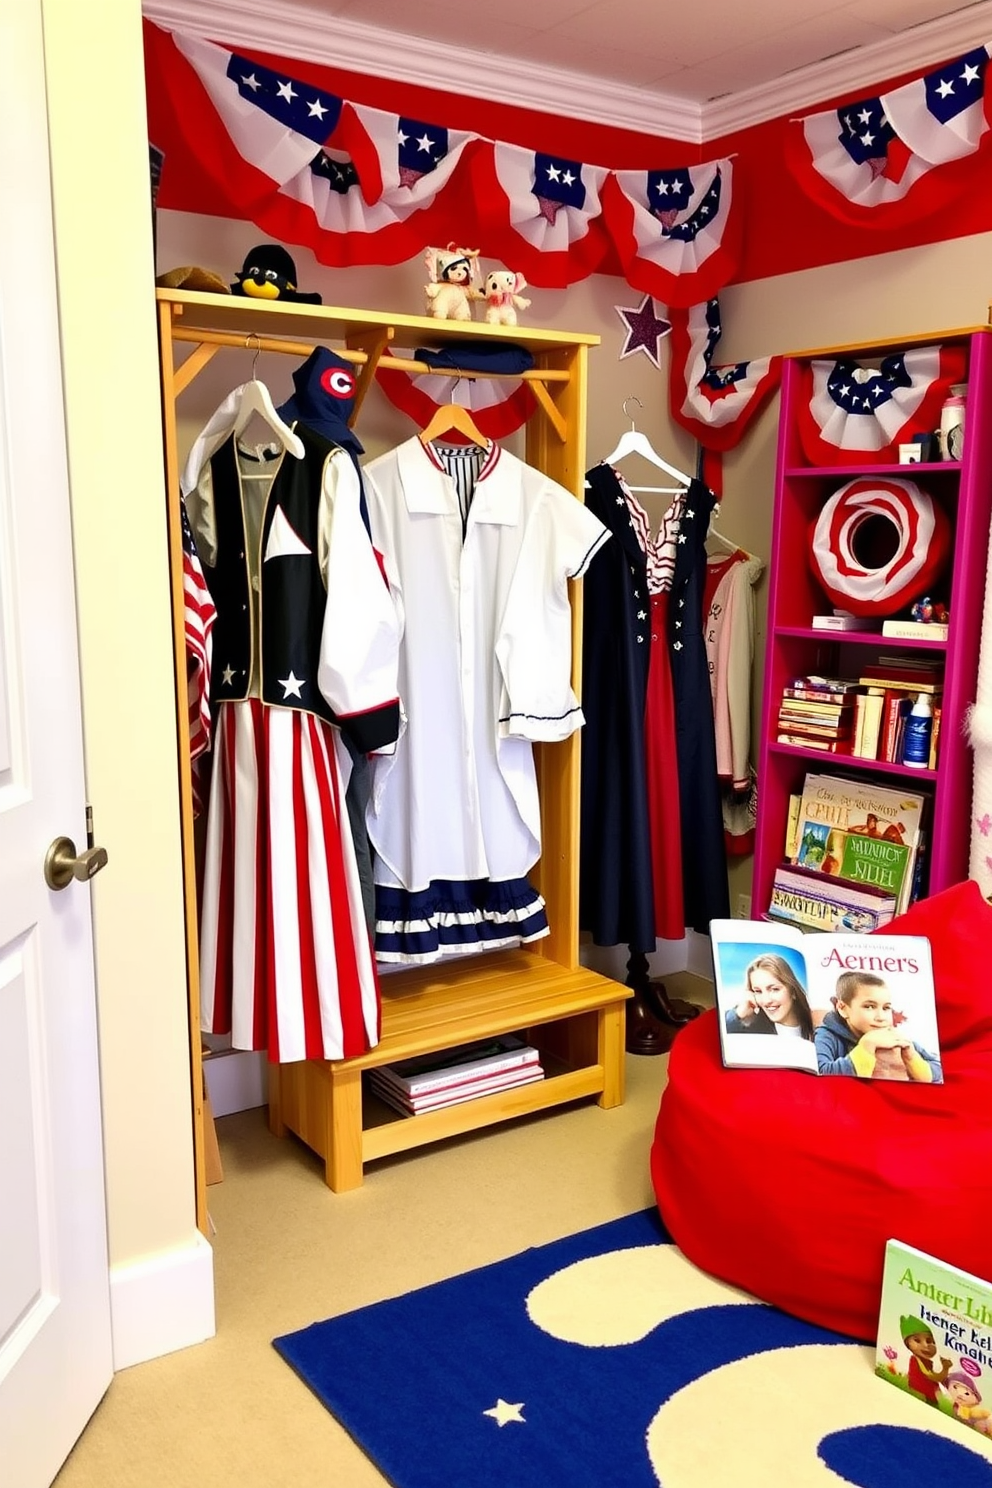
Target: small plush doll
{"x":503,"y":297}
{"x":453,"y":274}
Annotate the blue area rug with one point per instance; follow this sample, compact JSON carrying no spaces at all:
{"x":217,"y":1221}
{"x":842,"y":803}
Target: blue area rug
{"x":606,"y":1359}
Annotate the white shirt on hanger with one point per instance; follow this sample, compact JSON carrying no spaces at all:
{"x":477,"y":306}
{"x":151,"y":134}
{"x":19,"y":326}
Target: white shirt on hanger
{"x":485,"y":659}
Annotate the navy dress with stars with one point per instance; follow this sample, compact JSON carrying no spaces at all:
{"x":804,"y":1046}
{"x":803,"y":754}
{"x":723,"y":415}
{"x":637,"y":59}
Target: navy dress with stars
{"x":704,"y":856}
{"x":616,"y":897}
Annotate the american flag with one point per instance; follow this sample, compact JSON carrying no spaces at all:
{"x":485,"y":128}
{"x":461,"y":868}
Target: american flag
{"x":198,"y":619}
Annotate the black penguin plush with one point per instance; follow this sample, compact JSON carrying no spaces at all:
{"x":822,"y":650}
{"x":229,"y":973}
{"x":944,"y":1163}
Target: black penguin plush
{"x":269,"y":273}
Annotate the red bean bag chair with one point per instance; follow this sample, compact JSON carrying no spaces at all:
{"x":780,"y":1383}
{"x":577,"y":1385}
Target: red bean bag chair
{"x":788,"y":1185}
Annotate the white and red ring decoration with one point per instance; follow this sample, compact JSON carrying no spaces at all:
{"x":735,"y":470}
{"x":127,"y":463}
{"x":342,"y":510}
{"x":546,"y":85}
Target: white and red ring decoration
{"x":922,"y":550}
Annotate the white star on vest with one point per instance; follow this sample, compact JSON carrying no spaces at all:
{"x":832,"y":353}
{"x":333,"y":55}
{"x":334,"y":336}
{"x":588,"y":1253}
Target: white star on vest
{"x":227,"y":676}
{"x":291,"y":686}
{"x":502,"y":1412}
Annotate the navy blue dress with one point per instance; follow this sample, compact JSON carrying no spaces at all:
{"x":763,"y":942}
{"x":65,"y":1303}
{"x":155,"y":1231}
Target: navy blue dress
{"x":704,"y":855}
{"x":616,"y":899}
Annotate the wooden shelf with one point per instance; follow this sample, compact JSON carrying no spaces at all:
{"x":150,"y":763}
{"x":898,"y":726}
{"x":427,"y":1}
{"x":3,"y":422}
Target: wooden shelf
{"x":858,"y":638}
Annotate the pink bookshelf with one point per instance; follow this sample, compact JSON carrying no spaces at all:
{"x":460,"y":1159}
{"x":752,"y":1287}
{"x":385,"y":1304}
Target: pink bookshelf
{"x":794,"y":648}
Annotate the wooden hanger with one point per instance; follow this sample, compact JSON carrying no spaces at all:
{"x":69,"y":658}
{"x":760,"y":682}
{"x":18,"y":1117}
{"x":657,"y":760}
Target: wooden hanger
{"x":451,"y":417}
{"x":633,"y":442}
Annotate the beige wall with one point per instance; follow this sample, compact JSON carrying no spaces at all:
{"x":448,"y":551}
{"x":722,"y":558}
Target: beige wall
{"x":104,"y":251}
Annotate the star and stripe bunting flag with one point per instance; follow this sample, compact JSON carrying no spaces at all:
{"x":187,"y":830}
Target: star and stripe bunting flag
{"x":863,"y":161}
{"x":199,"y":615}
{"x":676,"y":231}
{"x":540,"y":213}
{"x":851,"y":413}
{"x":714,"y":402}
{"x":307,"y":166}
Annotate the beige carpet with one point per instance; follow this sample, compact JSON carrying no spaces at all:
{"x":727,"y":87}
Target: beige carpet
{"x":289,"y":1252}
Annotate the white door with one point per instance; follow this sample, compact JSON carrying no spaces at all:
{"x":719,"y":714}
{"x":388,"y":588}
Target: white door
{"x":55,"y":1351}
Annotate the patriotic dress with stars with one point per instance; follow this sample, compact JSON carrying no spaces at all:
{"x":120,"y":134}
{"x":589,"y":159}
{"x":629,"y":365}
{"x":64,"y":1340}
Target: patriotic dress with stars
{"x":478,"y":548}
{"x":304,"y":645}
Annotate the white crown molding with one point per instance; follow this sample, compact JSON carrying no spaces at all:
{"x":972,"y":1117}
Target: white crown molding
{"x":919,"y":47}
{"x":291,"y":30}
{"x":299,"y":30}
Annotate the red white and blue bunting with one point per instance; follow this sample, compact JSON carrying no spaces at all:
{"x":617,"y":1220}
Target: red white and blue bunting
{"x":498,"y":407}
{"x":361,"y":185}
{"x":675,"y":230}
{"x":851,"y":414}
{"x":358,"y":185}
{"x":863,"y":162}
{"x":714,"y":402}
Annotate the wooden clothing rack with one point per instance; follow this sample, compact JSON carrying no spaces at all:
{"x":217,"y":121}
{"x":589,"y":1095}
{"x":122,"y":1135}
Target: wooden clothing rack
{"x":575,"y":1016}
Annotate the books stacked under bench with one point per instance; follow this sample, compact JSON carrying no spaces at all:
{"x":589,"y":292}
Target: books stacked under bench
{"x":855,"y":854}
{"x":431,"y":1082}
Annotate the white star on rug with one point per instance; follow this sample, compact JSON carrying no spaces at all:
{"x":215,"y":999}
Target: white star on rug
{"x":502,"y":1412}
{"x":291,"y":685}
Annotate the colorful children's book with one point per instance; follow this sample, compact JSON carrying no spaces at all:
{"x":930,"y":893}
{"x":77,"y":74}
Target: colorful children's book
{"x":935,"y":1335}
{"x":858,"y":830}
{"x":821,"y":901}
{"x":829,"y":1004}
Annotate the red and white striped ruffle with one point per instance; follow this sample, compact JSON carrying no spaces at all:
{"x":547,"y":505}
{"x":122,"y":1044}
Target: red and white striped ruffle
{"x":285,"y":957}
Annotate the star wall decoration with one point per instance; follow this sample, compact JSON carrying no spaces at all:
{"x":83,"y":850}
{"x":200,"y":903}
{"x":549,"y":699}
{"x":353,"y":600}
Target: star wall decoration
{"x":645,"y":329}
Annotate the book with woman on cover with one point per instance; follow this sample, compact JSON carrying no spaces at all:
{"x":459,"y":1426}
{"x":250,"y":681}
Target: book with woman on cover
{"x":829,"y":1004}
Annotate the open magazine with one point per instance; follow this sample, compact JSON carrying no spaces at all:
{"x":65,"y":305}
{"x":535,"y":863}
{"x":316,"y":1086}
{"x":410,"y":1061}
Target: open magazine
{"x":831,"y":1004}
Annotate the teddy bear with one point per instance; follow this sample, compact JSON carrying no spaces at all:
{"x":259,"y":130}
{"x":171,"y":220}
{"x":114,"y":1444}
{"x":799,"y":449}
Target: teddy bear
{"x":503,"y":297}
{"x":452,"y":288}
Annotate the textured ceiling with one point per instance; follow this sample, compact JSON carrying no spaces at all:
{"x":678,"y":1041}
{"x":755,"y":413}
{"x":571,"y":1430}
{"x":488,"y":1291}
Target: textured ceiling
{"x":695,"y":50}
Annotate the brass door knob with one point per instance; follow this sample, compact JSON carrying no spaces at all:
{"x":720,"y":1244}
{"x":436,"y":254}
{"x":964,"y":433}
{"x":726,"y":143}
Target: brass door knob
{"x":63,"y":863}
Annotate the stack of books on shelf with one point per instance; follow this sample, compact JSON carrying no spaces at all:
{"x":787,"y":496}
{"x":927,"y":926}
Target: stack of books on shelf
{"x":855,"y":853}
{"x":888,"y":690}
{"x":818,"y":713}
{"x":431,"y":1082}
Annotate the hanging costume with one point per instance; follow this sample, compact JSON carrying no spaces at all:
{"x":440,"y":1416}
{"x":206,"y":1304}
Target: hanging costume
{"x":304,"y":645}
{"x":616,"y":901}
{"x":728,"y":602}
{"x":704,"y":858}
{"x":478,"y":548}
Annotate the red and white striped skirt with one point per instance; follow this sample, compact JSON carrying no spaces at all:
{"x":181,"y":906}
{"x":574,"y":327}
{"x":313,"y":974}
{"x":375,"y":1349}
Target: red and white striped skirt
{"x":285,"y":957}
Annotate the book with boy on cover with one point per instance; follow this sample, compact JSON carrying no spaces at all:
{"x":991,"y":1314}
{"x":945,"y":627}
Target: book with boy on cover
{"x":860,"y":831}
{"x":935,"y":1335}
{"x":829,"y":1004}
